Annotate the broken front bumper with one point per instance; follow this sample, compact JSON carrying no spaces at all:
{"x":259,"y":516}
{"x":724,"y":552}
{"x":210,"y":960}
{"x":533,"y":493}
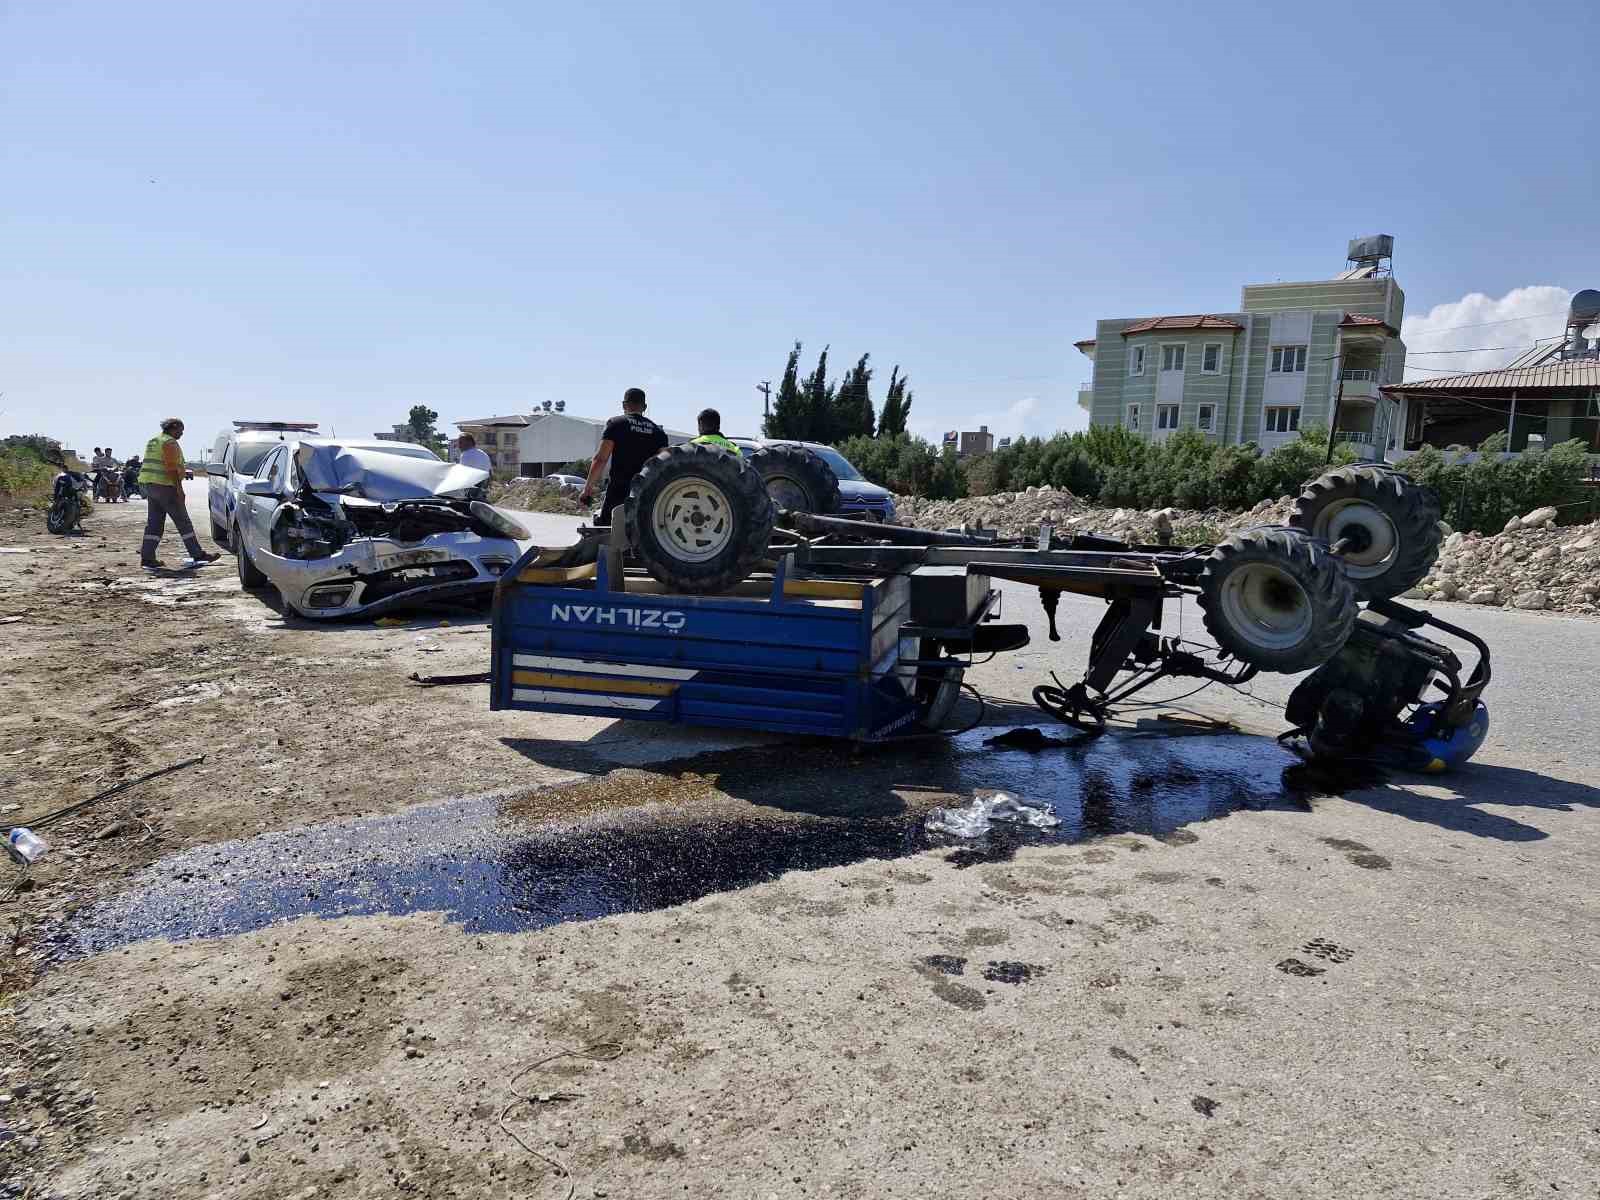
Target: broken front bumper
{"x":375,"y":574}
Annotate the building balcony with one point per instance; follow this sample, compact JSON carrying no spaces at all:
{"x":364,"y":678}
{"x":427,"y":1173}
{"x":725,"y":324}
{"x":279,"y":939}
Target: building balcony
{"x":1360,"y":385}
{"x":1086,"y":395}
{"x":1361,"y":442}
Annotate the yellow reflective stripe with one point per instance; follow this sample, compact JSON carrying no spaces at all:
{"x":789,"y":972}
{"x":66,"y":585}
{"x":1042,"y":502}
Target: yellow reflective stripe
{"x":558,"y":574}
{"x":588,"y":683}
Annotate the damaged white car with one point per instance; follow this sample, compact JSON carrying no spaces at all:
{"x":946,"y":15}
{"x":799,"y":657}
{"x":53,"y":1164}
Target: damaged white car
{"x":341,"y":528}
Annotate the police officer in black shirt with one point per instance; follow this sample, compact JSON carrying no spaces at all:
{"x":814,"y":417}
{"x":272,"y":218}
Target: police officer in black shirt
{"x":628,"y":442}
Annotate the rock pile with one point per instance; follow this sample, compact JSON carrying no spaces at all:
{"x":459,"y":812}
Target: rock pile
{"x":1018,"y":514}
{"x":1532,"y":564}
{"x":534,"y":495}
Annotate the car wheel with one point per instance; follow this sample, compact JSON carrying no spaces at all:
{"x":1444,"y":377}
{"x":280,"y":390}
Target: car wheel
{"x":1274,"y":598}
{"x":698,"y":518}
{"x":1390,"y":526}
{"x":219,"y":535}
{"x":797,"y":479}
{"x":250,"y":579}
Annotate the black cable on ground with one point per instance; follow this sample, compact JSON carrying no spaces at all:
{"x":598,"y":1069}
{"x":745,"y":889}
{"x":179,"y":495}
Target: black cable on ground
{"x":53,"y":817}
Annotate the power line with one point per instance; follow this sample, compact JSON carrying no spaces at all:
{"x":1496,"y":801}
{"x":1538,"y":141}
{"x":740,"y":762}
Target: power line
{"x":1472,"y":349}
{"x":1486,"y":324}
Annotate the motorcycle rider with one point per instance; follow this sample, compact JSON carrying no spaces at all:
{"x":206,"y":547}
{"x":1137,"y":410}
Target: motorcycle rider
{"x":161,"y":477}
{"x":130,"y":477}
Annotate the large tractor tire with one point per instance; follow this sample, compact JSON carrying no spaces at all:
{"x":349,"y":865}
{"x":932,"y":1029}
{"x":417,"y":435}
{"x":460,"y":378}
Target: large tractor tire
{"x":797,"y":479}
{"x":698,"y":518}
{"x":1276,"y":599}
{"x":1390,"y":526}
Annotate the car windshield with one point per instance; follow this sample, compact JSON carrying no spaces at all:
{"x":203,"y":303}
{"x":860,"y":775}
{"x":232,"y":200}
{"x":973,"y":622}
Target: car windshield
{"x":247,"y":456}
{"x":840,"y":464}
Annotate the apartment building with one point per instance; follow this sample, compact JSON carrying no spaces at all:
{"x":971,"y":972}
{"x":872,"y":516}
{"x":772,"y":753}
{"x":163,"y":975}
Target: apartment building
{"x":1280,"y":363}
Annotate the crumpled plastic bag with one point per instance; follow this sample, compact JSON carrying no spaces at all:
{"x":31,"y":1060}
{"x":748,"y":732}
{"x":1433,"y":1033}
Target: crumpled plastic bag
{"x":973,"y":820}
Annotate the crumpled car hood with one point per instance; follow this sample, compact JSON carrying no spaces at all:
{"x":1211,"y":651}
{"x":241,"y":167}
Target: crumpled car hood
{"x":380,"y":476}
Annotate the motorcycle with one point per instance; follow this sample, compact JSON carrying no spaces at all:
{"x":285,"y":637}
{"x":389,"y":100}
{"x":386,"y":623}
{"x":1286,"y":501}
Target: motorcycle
{"x":108,"y":485}
{"x":70,"y":498}
{"x":130,"y":482}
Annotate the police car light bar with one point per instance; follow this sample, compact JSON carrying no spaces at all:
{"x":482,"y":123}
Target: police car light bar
{"x":279,"y":426}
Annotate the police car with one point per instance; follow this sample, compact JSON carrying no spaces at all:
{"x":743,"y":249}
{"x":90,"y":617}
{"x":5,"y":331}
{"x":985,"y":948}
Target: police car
{"x":235,"y":457}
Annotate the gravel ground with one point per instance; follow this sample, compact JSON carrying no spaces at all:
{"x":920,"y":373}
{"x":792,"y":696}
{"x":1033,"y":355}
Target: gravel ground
{"x":1388,"y":993}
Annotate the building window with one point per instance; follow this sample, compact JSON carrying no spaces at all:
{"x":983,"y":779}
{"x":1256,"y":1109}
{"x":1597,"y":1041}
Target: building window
{"x":1288,"y":360}
{"x":1166,"y":416}
{"x":1211,"y":358}
{"x":1172,"y":358}
{"x":1136,"y":360}
{"x":1133,"y":417}
{"x":1283,"y":420}
{"x":490,"y":438}
{"x":1205,"y":416}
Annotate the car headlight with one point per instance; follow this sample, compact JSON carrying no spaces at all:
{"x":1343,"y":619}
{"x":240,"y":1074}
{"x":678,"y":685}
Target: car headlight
{"x":499,"y":521}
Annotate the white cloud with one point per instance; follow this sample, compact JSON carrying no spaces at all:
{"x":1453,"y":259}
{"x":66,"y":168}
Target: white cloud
{"x":1492,"y":331}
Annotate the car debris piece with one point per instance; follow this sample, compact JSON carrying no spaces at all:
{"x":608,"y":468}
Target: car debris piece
{"x":973,"y":820}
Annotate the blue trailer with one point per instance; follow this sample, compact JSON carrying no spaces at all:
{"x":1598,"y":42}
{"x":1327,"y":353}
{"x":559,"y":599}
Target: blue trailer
{"x":865,"y":659}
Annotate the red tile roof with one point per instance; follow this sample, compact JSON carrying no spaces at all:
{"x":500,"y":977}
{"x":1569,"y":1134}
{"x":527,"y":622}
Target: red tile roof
{"x":1084,"y":343}
{"x":1191,"y":321}
{"x":1360,"y":321}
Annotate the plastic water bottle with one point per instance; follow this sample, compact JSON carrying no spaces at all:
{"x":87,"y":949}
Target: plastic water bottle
{"x":25,"y":846}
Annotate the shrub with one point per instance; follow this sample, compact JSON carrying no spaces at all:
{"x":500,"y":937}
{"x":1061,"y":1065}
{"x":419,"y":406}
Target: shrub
{"x":1484,"y":494}
{"x":24,"y":474}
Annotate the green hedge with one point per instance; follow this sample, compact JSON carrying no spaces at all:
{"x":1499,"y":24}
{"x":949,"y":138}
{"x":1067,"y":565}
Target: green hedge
{"x":1484,"y":494}
{"x":1103,"y":464}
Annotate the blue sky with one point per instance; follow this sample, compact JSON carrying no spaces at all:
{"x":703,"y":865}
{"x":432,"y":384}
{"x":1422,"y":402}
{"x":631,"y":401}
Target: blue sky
{"x":336,"y":211}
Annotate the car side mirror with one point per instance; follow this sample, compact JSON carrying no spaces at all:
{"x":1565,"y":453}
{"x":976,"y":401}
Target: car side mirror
{"x":260,"y":487}
{"x":217,"y":469}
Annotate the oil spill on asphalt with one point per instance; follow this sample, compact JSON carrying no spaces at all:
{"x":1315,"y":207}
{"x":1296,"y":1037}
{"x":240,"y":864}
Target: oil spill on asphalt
{"x":1012,"y":972}
{"x":482,"y":870}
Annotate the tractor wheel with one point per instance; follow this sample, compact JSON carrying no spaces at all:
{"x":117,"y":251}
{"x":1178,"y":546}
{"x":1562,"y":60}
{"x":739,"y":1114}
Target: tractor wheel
{"x":797,"y":479}
{"x":1275,"y":599}
{"x":698,"y":518}
{"x":1390,"y":525}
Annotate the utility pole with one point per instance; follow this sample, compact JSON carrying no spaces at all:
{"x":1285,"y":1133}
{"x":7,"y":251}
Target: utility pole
{"x":1338,"y":399}
{"x":765,"y":388}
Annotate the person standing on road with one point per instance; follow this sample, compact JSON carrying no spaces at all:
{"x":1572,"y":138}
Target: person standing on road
{"x":710,"y":424}
{"x":471,"y":456}
{"x":627,"y":443}
{"x":161,"y":478}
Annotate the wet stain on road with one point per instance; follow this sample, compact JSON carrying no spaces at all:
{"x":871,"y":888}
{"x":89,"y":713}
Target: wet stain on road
{"x":1012,"y":972}
{"x":488,"y":871}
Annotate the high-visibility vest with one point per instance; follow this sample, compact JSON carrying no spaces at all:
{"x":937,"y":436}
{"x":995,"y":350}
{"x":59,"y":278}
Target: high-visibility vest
{"x":717,"y":440}
{"x":154,"y":467}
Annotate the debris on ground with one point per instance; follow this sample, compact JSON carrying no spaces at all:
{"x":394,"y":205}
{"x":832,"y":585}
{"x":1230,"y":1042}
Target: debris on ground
{"x":974,"y":819}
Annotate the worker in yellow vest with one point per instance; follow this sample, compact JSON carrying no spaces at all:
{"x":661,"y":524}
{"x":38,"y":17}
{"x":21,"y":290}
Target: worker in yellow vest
{"x":710,"y":423}
{"x":161,"y":479}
